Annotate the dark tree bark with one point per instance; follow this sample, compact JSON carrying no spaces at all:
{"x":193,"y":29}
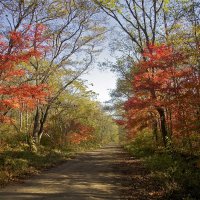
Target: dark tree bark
{"x":163,"y":125}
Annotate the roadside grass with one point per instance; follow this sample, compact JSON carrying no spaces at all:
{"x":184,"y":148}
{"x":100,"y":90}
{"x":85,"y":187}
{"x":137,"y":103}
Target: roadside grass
{"x":178,"y":173}
{"x":17,"y":163}
{"x":85,"y":146}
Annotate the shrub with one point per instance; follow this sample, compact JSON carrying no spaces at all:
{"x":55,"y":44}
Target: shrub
{"x":142,"y":146}
{"x":176,"y":170}
{"x":15,"y":166}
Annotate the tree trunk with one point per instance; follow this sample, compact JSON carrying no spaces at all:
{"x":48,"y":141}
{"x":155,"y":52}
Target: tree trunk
{"x":42,"y":122}
{"x":27,"y":123}
{"x":163,"y":125}
{"x":155,"y":130}
{"x":36,"y":126}
{"x":20,"y":120}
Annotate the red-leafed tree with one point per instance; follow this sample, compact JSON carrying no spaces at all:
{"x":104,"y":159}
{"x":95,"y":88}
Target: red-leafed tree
{"x":166,"y":94}
{"x":80,"y":133}
{"x":15,"y":52}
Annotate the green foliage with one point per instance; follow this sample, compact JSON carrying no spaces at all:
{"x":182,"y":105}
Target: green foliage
{"x":78,"y":109}
{"x":20,"y":161}
{"x":108,"y":3}
{"x":85,"y":146}
{"x":15,"y":165}
{"x":159,"y":162}
{"x":142,"y":145}
{"x":178,"y":172}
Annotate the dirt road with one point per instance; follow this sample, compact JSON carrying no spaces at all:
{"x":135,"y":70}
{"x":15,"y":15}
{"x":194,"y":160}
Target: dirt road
{"x":89,"y":176}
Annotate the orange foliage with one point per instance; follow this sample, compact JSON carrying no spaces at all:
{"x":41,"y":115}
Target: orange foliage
{"x":165,"y":79}
{"x":80,"y":134}
{"x":13,"y":53}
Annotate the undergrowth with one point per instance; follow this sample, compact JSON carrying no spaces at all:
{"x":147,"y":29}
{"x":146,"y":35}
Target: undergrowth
{"x":17,"y":161}
{"x":177,"y":172}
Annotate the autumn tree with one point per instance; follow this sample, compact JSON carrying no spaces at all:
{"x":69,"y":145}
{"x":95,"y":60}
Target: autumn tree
{"x":76,"y":118}
{"x":165,"y":86}
{"x":73,"y":29}
{"x":141,"y":23}
{"x":135,"y":25}
{"x":15,"y":52}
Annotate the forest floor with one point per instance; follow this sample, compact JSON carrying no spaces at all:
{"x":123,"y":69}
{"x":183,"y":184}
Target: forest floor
{"x":107,"y":173}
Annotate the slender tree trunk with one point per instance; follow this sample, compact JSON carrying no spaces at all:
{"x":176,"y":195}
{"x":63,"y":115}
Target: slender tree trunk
{"x":155,"y":130}
{"x":163,"y":125}
{"x":42,"y":122}
{"x":27,"y":122}
{"x":166,"y":26}
{"x":36,"y":126}
{"x":20,"y":120}
{"x":169,"y":122}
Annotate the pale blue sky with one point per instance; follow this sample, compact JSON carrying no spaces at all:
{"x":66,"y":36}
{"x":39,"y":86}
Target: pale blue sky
{"x":102,"y":83}
{"x":102,"y":80}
